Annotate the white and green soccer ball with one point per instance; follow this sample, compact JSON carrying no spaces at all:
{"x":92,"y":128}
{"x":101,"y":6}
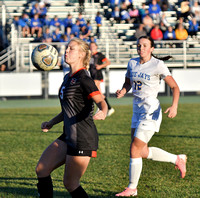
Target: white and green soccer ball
{"x":44,"y":57}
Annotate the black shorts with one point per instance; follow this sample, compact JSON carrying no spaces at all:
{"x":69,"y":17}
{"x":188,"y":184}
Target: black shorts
{"x":76,"y":152}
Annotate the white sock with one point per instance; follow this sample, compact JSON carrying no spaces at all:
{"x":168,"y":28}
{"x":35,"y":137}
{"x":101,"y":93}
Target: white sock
{"x":158,"y":154}
{"x":135,"y":169}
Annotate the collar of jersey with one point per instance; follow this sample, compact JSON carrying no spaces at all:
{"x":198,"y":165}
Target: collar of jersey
{"x":77,"y":71}
{"x":95,"y":53}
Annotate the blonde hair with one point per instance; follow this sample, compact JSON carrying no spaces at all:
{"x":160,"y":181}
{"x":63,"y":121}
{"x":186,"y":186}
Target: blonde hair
{"x":85,"y":48}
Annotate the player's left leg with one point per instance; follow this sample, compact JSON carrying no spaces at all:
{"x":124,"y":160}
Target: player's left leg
{"x":75,"y":167}
{"x":160,"y":155}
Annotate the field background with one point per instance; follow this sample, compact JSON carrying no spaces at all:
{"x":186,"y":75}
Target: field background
{"x":22,"y":143}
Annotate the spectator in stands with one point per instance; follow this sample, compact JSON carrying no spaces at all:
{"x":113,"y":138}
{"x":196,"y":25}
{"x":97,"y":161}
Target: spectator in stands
{"x":45,"y":21}
{"x":25,"y":25}
{"x":140,"y":31}
{"x":114,"y":3}
{"x":3,"y":68}
{"x":155,"y":11}
{"x":181,"y":34}
{"x":43,"y":9}
{"x":64,"y":38}
{"x":16,"y":22}
{"x":156,"y":34}
{"x":81,"y":5}
{"x":36,"y":26}
{"x":92,"y":39}
{"x":142,"y":12}
{"x":164,"y":19}
{"x":86,"y":30}
{"x":116,"y":14}
{"x":196,"y":11}
{"x":57,"y":35}
{"x":124,"y":13}
{"x":128,"y":3}
{"x":148,"y":23}
{"x":72,"y":36}
{"x":185,"y":9}
{"x":46,"y":2}
{"x":68,"y":32}
{"x":163,"y":28}
{"x":81,"y":19}
{"x":68,"y":22}
{"x":181,"y":20}
{"x":56,"y":22}
{"x":47,"y":36}
{"x":76,"y":29}
{"x":165,"y":6}
{"x":193,"y":27}
{"x":35,"y":10}
{"x":169,"y":34}
{"x":98,"y":20}
{"x":134,"y":14}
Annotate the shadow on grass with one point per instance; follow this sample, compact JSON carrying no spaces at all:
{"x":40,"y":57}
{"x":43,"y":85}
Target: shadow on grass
{"x":31,"y":190}
{"x":103,"y":134}
{"x":177,"y":136}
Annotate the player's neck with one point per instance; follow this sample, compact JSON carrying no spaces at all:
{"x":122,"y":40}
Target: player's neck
{"x":75,"y":69}
{"x":144,"y":59}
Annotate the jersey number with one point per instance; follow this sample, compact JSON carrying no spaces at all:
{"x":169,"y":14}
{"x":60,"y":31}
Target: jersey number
{"x":61,"y":92}
{"x":137,"y":85}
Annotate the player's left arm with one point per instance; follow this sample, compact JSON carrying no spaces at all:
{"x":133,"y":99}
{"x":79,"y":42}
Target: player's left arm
{"x":172,"y":111}
{"x":103,"y":108}
{"x":106,"y":62}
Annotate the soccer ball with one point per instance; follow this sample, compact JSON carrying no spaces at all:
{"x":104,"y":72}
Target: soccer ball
{"x":44,"y":57}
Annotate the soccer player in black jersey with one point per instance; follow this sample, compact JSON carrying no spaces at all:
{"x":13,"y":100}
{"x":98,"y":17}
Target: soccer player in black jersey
{"x":97,"y":63}
{"x":79,"y":141}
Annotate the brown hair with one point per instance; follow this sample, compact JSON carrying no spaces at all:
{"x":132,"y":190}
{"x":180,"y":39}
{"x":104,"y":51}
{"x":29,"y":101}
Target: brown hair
{"x":153,"y":45}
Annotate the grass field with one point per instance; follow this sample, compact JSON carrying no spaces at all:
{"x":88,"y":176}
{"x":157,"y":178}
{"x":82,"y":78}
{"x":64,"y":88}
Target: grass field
{"x":22,"y":143}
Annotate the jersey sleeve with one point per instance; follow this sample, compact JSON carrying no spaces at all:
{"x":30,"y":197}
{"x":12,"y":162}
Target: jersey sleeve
{"x":163,"y":70}
{"x":102,"y":57}
{"x":89,"y":87}
{"x":127,"y":75}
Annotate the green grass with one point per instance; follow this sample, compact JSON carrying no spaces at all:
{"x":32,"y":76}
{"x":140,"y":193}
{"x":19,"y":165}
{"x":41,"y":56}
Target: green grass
{"x":22,"y":143}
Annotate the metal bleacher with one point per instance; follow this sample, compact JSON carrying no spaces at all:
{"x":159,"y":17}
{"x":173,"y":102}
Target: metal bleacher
{"x":117,"y":48}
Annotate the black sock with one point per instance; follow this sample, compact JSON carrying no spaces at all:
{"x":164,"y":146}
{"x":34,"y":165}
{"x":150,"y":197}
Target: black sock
{"x":45,"y":187}
{"x":79,"y":193}
{"x":109,"y":107}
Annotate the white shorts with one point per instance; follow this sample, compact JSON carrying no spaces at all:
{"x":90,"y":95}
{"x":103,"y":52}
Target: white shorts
{"x":143,"y":135}
{"x":147,"y":122}
{"x":146,"y":125}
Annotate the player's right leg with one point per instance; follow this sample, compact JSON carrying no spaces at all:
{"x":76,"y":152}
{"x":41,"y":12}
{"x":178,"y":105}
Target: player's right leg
{"x":53,"y":157}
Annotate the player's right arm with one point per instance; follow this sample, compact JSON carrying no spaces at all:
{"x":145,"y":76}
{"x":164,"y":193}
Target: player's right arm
{"x":125,"y":89}
{"x":45,"y":126}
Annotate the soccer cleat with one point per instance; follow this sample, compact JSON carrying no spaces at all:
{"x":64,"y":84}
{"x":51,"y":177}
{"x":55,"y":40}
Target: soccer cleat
{"x":110,"y":112}
{"x":181,"y":164}
{"x":128,"y":192}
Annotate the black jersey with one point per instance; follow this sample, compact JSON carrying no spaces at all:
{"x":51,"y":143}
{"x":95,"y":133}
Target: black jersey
{"x":77,"y":106}
{"x":96,"y":59}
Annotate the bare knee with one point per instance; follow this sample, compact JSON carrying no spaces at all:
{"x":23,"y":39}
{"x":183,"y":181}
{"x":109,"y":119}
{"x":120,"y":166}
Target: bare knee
{"x":41,"y":170}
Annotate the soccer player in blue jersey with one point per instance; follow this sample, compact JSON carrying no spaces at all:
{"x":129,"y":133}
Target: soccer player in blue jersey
{"x":79,"y":141}
{"x":143,"y":76}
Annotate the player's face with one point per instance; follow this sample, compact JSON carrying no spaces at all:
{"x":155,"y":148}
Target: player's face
{"x":144,"y":48}
{"x":93,"y":47}
{"x":73,"y":53}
